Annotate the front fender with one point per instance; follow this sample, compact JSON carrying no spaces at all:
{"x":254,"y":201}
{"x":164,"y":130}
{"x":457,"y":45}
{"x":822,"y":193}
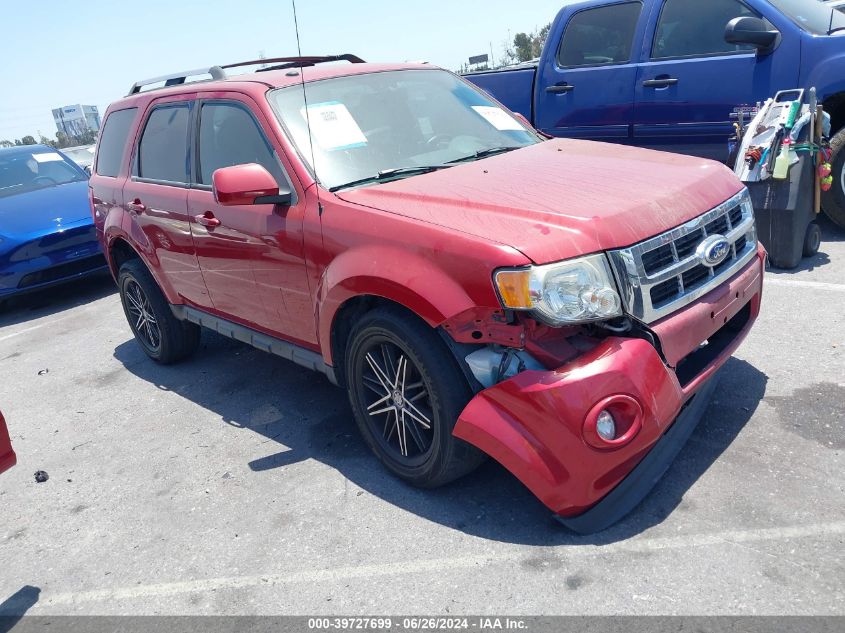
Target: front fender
{"x":390,"y":273}
{"x":824,"y":66}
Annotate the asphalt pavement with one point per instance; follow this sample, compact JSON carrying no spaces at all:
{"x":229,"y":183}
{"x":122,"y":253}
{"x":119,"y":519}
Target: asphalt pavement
{"x":236,"y":483}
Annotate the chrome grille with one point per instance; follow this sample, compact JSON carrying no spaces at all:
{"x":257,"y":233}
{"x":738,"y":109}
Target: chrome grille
{"x":665,"y":273}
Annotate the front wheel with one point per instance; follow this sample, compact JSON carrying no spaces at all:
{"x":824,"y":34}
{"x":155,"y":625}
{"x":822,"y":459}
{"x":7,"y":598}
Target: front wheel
{"x":406,"y":392}
{"x":833,"y":201}
{"x":162,"y":336}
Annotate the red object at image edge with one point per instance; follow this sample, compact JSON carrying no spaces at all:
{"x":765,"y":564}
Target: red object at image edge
{"x":7,"y":455}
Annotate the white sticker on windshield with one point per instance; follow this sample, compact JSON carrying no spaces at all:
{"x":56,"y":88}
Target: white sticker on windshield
{"x":333,"y":126}
{"x":47,"y":157}
{"x":498,"y":118}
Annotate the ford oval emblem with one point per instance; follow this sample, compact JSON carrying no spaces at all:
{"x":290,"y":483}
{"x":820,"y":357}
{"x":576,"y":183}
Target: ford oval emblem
{"x":713,"y":250}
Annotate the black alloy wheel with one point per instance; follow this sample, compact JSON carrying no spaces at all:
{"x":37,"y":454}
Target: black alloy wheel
{"x":407,"y":391}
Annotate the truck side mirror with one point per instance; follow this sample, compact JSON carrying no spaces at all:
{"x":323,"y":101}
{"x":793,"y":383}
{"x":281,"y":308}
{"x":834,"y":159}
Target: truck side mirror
{"x":753,"y":31}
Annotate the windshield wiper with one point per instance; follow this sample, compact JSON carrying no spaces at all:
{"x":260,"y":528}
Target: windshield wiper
{"x":390,"y":174}
{"x":834,"y":30}
{"x":490,"y":151}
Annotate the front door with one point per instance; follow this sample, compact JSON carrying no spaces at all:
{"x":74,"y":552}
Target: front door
{"x":587,"y":80}
{"x":694,"y":83}
{"x":250,"y":255}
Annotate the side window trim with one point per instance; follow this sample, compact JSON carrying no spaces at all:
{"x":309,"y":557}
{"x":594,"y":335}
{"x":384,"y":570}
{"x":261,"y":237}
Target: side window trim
{"x":196,"y":174}
{"x":652,"y":58}
{"x":602,"y":64}
{"x":134,"y":171}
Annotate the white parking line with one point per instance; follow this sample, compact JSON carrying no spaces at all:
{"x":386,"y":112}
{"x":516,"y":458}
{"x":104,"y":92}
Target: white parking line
{"x":795,"y":283}
{"x":36,"y":327}
{"x":76,"y":312}
{"x":439,"y":565}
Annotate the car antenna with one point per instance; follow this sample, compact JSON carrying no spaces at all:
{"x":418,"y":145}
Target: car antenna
{"x":307,"y":115}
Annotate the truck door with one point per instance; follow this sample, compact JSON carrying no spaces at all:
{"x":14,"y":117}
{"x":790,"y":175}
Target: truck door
{"x":692,"y":82}
{"x":585,"y":82}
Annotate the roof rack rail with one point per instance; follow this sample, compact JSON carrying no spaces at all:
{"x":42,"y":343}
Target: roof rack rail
{"x":179,"y":78}
{"x":218,"y":72}
{"x":294,"y":62}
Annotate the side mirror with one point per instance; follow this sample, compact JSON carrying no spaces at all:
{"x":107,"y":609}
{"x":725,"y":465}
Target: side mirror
{"x":753,"y":31}
{"x":247,"y":184}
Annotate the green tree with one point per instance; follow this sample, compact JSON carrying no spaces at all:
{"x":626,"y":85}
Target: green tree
{"x":523,"y":45}
{"x":527,"y":46}
{"x":6,"y":143}
{"x":28,"y":140}
{"x":538,"y":40}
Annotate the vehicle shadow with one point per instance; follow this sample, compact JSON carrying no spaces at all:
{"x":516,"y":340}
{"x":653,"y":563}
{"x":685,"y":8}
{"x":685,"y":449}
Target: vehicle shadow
{"x":13,"y":608}
{"x":41,"y":303}
{"x":313,"y":421}
{"x":830,"y":233}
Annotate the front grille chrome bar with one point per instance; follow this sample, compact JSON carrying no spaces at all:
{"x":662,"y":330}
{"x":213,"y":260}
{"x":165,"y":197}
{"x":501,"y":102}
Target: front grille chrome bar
{"x":650,"y":294}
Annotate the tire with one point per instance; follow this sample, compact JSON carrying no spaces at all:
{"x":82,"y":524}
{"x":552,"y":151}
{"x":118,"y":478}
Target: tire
{"x":162,"y":336}
{"x":812,"y":239}
{"x":833,"y":201}
{"x":393,"y":412}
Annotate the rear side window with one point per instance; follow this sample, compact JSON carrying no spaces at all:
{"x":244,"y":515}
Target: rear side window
{"x":693,"y":28}
{"x":230,"y":136}
{"x":163,"y":150}
{"x":604,"y":35}
{"x":113,"y":141}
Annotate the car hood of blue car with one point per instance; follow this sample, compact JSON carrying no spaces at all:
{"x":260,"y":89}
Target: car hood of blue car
{"x":44,"y":210}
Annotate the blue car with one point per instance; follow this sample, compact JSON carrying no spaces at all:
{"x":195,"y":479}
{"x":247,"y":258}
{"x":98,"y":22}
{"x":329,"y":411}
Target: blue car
{"x":47,"y":235}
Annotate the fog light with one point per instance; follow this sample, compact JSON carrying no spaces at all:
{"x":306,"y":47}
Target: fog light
{"x":606,"y":426}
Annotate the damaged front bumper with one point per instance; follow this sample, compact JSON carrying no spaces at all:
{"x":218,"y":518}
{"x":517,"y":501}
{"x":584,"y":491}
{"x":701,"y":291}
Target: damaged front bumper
{"x":541,"y":424}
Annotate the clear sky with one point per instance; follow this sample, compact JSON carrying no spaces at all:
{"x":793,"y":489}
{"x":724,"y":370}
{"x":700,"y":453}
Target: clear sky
{"x":61,"y":53}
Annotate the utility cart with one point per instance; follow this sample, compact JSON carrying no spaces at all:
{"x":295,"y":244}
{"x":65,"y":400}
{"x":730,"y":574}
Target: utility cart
{"x":779,"y":159}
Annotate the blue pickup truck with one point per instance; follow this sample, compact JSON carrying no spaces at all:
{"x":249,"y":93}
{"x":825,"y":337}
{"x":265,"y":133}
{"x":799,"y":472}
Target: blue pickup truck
{"x":674,"y":74}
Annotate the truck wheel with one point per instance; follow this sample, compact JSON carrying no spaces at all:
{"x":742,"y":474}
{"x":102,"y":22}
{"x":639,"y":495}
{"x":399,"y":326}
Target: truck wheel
{"x":833,"y":201}
{"x":162,"y":336}
{"x":812,"y":239}
{"x":406,"y":392}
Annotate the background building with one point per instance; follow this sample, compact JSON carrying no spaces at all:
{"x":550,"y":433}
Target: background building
{"x":76,"y":120}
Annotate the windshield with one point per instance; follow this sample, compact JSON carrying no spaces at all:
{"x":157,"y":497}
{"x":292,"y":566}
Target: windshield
{"x":384,"y":125}
{"x":27,"y":170}
{"x":811,"y":15}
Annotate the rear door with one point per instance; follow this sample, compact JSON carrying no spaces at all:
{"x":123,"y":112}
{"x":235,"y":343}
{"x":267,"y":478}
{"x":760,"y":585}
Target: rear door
{"x":7,"y":455}
{"x":251,"y":255}
{"x":586,"y":82}
{"x":156,"y":197}
{"x":693,"y":83}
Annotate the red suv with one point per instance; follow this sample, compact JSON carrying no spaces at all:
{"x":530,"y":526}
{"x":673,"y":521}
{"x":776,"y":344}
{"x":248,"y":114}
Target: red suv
{"x":477,"y":289}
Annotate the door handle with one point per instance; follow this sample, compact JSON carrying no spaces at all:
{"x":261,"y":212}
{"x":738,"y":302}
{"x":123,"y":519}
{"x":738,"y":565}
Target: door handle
{"x":207,"y":219}
{"x":660,"y":83}
{"x":560,"y":88}
{"x":136,"y":206}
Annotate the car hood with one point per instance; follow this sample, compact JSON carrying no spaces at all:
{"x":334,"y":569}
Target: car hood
{"x":560,"y":198}
{"x":43,"y":210}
